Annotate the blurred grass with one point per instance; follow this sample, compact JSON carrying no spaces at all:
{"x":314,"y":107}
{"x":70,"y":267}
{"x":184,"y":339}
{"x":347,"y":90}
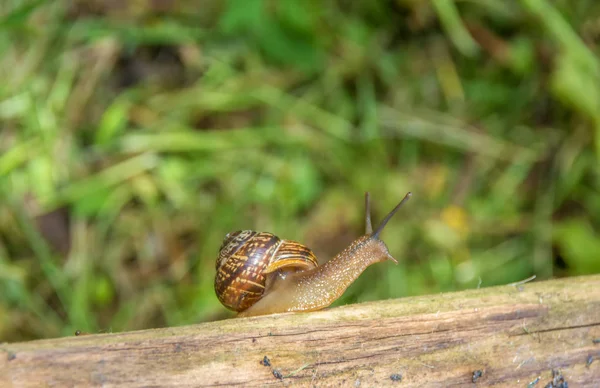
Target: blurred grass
{"x":134,"y":136}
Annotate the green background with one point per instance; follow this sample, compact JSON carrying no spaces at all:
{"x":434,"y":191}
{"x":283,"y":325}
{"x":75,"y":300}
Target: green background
{"x":135,"y":135}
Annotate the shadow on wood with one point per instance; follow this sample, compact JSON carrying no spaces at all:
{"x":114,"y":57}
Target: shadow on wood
{"x":508,"y":336}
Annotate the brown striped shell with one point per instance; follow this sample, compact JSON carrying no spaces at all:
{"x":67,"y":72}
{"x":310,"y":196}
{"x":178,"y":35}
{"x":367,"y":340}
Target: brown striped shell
{"x":246,"y":258}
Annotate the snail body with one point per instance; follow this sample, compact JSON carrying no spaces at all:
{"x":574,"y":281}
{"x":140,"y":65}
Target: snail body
{"x":258,"y":273}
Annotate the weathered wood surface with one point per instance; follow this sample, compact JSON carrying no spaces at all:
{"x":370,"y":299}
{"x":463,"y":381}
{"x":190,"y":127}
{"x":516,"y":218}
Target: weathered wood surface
{"x":513,"y":334}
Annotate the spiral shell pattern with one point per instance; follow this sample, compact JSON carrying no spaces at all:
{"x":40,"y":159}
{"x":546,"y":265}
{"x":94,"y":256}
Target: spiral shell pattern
{"x":246,"y":258}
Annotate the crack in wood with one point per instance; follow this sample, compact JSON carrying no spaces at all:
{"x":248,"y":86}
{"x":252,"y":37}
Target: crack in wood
{"x":553,"y":329}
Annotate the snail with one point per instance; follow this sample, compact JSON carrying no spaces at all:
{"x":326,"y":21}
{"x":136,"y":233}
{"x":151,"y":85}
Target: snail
{"x":258,"y":273}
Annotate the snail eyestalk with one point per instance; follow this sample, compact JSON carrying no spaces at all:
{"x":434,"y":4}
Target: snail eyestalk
{"x":368,"y":226}
{"x":390,"y":215}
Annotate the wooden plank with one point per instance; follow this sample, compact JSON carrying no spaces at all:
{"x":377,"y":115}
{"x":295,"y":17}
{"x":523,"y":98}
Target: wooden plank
{"x":512,"y":334}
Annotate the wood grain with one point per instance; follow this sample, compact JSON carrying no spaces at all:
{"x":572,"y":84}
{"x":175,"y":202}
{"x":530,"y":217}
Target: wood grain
{"x":511,"y":334}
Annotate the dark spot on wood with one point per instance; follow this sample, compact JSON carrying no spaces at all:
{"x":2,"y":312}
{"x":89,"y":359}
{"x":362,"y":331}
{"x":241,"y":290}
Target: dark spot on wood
{"x":178,"y":348}
{"x":476,"y":375}
{"x":253,"y":340}
{"x":277,"y":374}
{"x":396,"y":377}
{"x":558,"y":381}
{"x":589,"y":361}
{"x":265,"y":361}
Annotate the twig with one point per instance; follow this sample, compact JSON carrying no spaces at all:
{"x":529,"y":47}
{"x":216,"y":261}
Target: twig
{"x":522,"y":281}
{"x":297,"y":370}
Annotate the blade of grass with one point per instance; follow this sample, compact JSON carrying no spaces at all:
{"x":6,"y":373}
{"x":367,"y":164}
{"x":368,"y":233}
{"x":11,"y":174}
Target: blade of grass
{"x":450,"y":20}
{"x":17,"y":155}
{"x":328,"y":123}
{"x":457,"y":135}
{"x":51,"y":269}
{"x":104,"y":179}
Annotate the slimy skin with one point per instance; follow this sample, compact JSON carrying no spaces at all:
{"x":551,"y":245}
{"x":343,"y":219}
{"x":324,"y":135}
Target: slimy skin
{"x":319,"y":287}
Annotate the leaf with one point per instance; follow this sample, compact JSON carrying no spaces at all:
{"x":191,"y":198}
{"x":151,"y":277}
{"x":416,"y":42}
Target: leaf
{"x":580,"y":246}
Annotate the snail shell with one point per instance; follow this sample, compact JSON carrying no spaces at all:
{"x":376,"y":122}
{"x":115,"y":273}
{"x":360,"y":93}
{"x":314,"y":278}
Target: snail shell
{"x":246,"y":258}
